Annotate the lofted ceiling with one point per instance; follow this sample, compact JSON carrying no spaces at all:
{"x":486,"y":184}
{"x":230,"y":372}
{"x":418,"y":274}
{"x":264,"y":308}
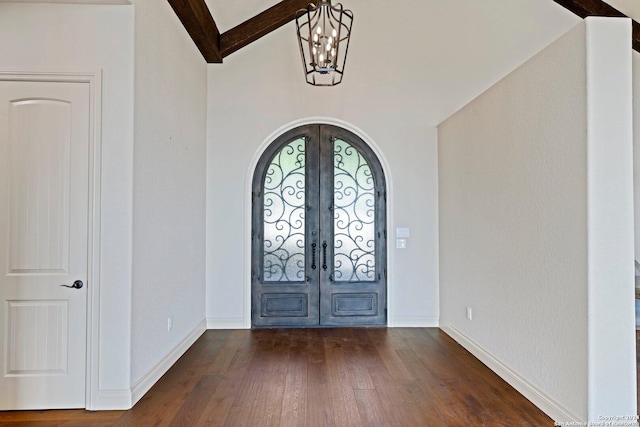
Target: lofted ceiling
{"x":221,"y":27}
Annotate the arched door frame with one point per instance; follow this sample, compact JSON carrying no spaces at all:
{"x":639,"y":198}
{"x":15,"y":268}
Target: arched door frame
{"x":247,"y":207}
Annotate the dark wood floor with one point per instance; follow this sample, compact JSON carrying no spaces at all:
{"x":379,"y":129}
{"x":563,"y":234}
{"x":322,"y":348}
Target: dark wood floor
{"x":315,"y":377}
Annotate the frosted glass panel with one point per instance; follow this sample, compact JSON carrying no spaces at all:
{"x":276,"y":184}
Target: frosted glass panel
{"x":284,"y":215}
{"x":354,"y":216}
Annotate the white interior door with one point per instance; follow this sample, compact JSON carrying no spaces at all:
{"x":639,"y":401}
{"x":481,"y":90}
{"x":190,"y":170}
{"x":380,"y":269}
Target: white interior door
{"x":44,"y":158}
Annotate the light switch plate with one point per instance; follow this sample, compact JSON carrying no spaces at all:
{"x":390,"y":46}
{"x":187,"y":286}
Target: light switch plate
{"x":402,"y":232}
{"x":401,"y":243}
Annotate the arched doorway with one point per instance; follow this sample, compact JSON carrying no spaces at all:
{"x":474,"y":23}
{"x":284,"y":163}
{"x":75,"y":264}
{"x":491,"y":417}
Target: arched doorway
{"x":318,"y":231}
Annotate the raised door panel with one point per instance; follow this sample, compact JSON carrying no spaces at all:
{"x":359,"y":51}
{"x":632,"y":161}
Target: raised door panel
{"x":40,"y":147}
{"x":37,"y":338}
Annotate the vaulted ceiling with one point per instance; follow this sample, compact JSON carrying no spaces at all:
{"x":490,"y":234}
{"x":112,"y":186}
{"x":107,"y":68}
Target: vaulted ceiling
{"x":216,"y":38}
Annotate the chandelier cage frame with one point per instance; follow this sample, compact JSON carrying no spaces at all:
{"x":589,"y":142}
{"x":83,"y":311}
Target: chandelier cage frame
{"x":324,"y":31}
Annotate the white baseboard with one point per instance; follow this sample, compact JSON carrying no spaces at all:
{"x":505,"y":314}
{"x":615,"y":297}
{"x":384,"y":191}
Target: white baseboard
{"x":112,"y":400}
{"x":143,"y":386}
{"x":225,"y":323}
{"x":413,"y":322}
{"x":546,"y":404}
{"x":396,"y":322}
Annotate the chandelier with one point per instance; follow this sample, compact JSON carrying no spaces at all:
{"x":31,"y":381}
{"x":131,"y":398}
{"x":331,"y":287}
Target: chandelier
{"x":323,"y":34}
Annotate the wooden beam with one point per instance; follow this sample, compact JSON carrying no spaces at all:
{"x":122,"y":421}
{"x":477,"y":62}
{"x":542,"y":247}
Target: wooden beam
{"x":260,"y":25}
{"x":584,"y":8}
{"x":197,"y":20}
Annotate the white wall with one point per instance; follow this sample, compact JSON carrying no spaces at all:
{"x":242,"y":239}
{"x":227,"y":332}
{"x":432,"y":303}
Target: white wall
{"x":612,"y":349}
{"x":44,"y":37}
{"x":632,"y":9}
{"x":536,"y":225}
{"x":169,"y":193}
{"x":405,"y":73}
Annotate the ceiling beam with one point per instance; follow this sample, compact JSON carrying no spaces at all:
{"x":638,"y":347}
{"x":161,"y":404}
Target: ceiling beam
{"x":197,"y":20}
{"x":260,"y":25}
{"x":584,"y":8}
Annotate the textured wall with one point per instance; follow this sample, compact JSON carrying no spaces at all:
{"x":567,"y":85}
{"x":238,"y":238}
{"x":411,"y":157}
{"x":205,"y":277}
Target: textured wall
{"x":169,"y":186}
{"x":536,"y":228}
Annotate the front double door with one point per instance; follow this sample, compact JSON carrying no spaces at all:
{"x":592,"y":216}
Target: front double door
{"x":318,"y":232}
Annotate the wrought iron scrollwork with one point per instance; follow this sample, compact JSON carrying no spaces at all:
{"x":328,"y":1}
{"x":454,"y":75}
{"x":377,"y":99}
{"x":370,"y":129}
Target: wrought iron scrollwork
{"x":354,"y":215}
{"x":284,"y":215}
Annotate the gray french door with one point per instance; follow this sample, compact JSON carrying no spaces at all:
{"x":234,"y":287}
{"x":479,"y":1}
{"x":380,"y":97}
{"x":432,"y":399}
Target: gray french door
{"x":318,"y":231}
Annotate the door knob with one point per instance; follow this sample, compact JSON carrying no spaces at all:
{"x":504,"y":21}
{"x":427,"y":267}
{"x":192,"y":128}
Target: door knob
{"x":76,"y":285}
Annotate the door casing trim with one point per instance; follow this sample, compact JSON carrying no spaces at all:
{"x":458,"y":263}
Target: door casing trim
{"x":246,"y":321}
{"x":94,"y":80}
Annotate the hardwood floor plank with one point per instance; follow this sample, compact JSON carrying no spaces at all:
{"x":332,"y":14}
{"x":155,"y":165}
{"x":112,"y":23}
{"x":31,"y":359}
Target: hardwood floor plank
{"x":228,"y":352}
{"x":58,"y":416}
{"x":230,"y":365}
{"x":294,"y":404}
{"x":31,"y":423}
{"x":319,"y":410}
{"x":343,"y":401}
{"x":317,"y":377}
{"x":196,"y":401}
{"x":369,"y":408}
{"x":398,"y":388}
{"x":438,"y":394}
{"x":387,"y":344}
{"x":259,"y":398}
{"x":398,"y":407}
{"x":76,"y":423}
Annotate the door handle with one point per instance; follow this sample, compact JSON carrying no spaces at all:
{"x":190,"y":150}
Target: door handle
{"x":324,"y":255}
{"x":76,"y":285}
{"x":313,"y":256}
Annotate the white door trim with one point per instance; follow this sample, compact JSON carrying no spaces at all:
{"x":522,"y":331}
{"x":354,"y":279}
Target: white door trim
{"x":94,"y":79}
